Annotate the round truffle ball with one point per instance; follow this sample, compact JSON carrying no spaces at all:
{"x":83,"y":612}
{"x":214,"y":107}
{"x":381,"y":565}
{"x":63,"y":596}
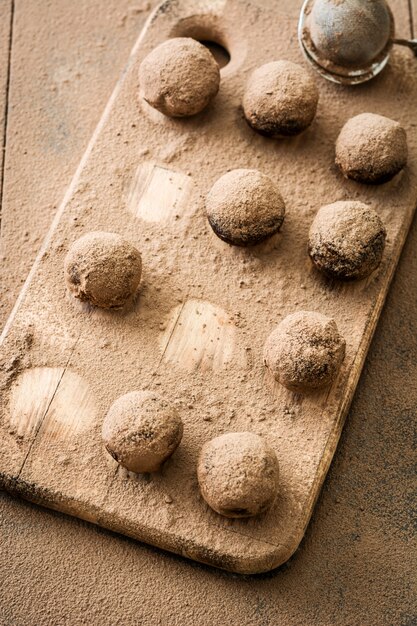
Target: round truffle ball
{"x":351,"y":33}
{"x":179,"y":77}
{"x":371,"y":148}
{"x":103,"y":269}
{"x":245,"y":207}
{"x":305,"y":351}
{"x":141,"y":431}
{"x":280,"y":99}
{"x":238,"y":474}
{"x":346,"y":240}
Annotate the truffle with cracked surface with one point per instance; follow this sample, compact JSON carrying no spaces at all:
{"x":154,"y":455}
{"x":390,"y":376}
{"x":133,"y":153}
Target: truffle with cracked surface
{"x":305,"y":351}
{"x":346,"y":240}
{"x":238,"y":474}
{"x":179,"y":77}
{"x":371,"y":148}
{"x":280,"y":99}
{"x":141,"y":431}
{"x":244,"y":207}
{"x":103,"y":269}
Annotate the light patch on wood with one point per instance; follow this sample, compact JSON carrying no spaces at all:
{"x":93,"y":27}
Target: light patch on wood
{"x":58,"y":403}
{"x":158,"y":193}
{"x":200,"y":336}
{"x":72,"y":410}
{"x":30,"y":398}
{"x":209,"y":6}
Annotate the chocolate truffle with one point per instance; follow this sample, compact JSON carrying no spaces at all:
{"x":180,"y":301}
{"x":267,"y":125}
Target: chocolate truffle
{"x":179,"y":77}
{"x":238,"y":474}
{"x":244,"y":207}
{"x":103,"y":269}
{"x":371,"y":148}
{"x":305,"y":351}
{"x":346,"y":240}
{"x":280,"y":99}
{"x":141,"y":431}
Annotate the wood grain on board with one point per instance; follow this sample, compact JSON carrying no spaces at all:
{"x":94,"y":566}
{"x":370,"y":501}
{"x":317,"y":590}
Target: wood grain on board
{"x":53,"y":455}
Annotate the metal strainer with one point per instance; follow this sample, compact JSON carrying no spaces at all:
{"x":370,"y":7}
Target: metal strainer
{"x":348,"y":41}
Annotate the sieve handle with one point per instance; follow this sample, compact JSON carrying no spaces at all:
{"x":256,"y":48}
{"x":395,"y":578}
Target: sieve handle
{"x":410,"y":43}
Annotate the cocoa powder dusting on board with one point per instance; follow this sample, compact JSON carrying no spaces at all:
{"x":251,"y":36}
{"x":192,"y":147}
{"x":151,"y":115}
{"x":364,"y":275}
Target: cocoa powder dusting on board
{"x":332,"y":556}
{"x":204,"y":308}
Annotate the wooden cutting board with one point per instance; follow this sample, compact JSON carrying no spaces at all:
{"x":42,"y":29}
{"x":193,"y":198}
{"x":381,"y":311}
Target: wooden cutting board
{"x":197,"y":330}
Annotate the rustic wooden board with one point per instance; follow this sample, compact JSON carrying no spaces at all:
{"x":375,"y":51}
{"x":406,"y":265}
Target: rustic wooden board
{"x":56,"y":357}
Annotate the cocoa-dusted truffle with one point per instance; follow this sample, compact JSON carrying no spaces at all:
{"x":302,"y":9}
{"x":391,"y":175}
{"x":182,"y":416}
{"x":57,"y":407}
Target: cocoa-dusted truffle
{"x":141,"y":431}
{"x":346,"y":240}
{"x":103,"y":269}
{"x":238,"y":474}
{"x":244,"y":207}
{"x":280,"y":99}
{"x":371,"y":148}
{"x":179,"y":77}
{"x":305,"y":351}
